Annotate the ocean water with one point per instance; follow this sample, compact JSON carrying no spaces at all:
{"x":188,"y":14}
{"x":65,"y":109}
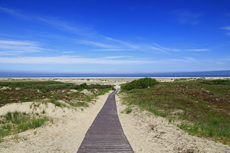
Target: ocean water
{"x":175,"y":74}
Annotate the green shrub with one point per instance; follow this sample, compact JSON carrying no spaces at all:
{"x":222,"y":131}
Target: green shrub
{"x":140,"y":84}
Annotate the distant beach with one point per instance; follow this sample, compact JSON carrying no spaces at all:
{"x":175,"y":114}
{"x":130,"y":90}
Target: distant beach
{"x":97,"y":80}
{"x":224,"y":73}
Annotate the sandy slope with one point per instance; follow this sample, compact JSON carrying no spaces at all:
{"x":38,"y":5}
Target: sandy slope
{"x":64,"y":135}
{"x":148,"y":133}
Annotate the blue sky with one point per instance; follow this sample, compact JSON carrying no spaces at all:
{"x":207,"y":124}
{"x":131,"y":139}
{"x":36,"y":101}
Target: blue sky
{"x":114,"y":36}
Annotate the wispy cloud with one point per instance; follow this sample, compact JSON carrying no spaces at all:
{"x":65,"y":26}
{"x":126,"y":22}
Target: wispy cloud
{"x":198,"y":50}
{"x":111,"y":50}
{"x":118,"y":56}
{"x":67,"y":52}
{"x":54,"y":22}
{"x":97,"y":44}
{"x":122,"y":42}
{"x":70,"y":60}
{"x":8,"y":47}
{"x":226,"y":59}
{"x":226,"y":28}
{"x":158,"y":49}
{"x":186,"y":17}
{"x":167,"y":50}
{"x":164,"y":49}
{"x":78,"y":60}
{"x":11,"y":12}
{"x":11,"y":52}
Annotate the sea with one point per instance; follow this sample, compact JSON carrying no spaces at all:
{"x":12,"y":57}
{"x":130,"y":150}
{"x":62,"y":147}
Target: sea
{"x":225,"y":73}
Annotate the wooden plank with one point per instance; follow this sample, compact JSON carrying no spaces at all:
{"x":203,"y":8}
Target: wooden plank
{"x":106,"y":134}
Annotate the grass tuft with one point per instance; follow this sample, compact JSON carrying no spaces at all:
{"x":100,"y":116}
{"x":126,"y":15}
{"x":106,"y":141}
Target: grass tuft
{"x":16,"y":122}
{"x":128,"y":110}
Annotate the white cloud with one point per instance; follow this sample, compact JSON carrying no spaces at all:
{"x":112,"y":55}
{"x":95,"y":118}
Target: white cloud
{"x":227,"y":59}
{"x":11,"y":12}
{"x":226,"y":28}
{"x":167,"y":50}
{"x":11,"y":52}
{"x":8,"y":47}
{"x":164,"y":49}
{"x":122,"y":42}
{"x":198,"y":50}
{"x":66,"y":52}
{"x":186,"y":17}
{"x":97,"y":44}
{"x":22,"y":43}
{"x":54,"y":22}
{"x":104,"y":50}
{"x":69,"y":60}
{"x":155,"y":48}
{"x":140,"y":58}
{"x":118,"y":56}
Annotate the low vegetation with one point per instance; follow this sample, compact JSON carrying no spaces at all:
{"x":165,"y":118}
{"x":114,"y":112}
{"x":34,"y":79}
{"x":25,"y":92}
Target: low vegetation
{"x":47,"y":86}
{"x":12,"y":92}
{"x":127,"y":110}
{"x":58,"y":93}
{"x":199,"y":106}
{"x":15,"y":122}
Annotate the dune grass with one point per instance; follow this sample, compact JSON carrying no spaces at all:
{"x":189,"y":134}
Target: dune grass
{"x":202,"y":106}
{"x":16,"y":122}
{"x":42,"y":92}
{"x":30,"y":91}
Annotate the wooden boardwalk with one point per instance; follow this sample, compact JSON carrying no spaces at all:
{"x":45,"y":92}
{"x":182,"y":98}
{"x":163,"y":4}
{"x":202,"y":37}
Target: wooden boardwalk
{"x":106,"y":134}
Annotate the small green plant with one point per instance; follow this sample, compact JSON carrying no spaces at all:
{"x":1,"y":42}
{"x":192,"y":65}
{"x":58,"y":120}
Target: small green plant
{"x":56,"y":96}
{"x":43,"y":112}
{"x":159,"y":113}
{"x":128,"y":110}
{"x":7,"y":126}
{"x":56,"y":103}
{"x":81,"y":104}
{"x":8,"y":116}
{"x":87,"y":99}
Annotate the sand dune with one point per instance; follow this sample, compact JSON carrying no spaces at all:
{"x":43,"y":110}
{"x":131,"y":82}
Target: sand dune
{"x":145,"y":132}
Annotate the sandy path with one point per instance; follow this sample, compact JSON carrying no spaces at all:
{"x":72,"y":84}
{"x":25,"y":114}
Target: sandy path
{"x":64,"y":135}
{"x":164,"y":137}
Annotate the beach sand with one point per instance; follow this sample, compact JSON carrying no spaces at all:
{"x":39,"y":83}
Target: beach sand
{"x":99,"y":80}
